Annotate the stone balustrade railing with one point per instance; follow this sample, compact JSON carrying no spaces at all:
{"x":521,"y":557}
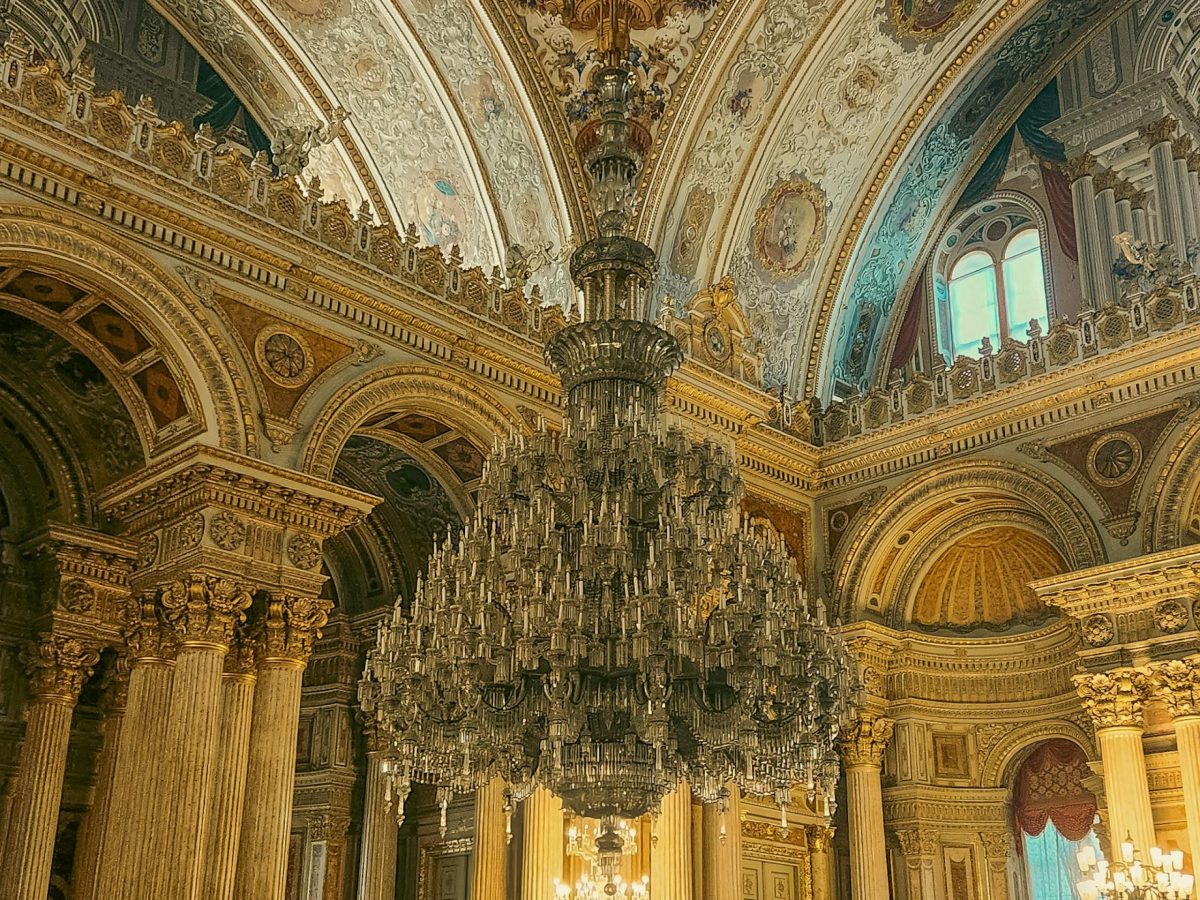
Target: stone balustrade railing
{"x":1094,"y":333}
{"x":68,"y":101}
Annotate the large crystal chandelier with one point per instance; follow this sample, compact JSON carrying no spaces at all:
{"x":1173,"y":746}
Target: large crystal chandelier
{"x":609,"y":623}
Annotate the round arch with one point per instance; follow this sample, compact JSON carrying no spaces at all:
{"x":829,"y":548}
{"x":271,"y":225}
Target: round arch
{"x":179,"y":334}
{"x":882,"y":549}
{"x":1174,"y":496}
{"x":1002,"y":761}
{"x":405,"y":388}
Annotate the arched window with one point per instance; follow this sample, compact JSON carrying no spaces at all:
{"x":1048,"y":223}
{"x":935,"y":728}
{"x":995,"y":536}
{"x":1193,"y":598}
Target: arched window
{"x":990,"y":277}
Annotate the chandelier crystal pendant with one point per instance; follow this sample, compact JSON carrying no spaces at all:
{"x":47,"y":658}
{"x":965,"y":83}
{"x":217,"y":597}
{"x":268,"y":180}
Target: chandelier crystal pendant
{"x":609,"y":623}
{"x":1132,"y":878}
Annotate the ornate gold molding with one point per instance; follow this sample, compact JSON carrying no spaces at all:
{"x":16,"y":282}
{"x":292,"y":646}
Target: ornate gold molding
{"x":58,"y":666}
{"x":1115,"y":699}
{"x":864,"y":742}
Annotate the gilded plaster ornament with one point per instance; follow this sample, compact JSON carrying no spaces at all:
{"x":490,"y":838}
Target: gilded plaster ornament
{"x":284,"y":356}
{"x":927,"y":20}
{"x":1114,"y":458}
{"x":190,"y":531}
{"x":1097,"y":630}
{"x":58,"y":666}
{"x":304,"y":551}
{"x":227,"y":530}
{"x":78,"y":596}
{"x":1170,"y":616}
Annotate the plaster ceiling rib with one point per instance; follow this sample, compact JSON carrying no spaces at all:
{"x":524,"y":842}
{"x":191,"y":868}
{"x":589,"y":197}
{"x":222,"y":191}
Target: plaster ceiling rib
{"x":238,"y":41}
{"x":543,"y":114}
{"x":882,"y":210}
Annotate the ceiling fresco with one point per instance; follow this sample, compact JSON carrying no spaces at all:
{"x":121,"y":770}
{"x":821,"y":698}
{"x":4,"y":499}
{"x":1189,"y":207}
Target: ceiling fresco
{"x":807,"y":149}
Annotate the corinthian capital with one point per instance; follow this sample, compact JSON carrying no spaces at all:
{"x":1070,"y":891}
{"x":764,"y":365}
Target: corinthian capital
{"x":204,"y":608}
{"x":863,"y":743}
{"x":1079,"y":166}
{"x":1177,"y":682}
{"x":58,"y":667}
{"x":1114,"y":698}
{"x":917,"y":842}
{"x":1159,"y":130}
{"x":291,"y":625}
{"x":820,"y":838}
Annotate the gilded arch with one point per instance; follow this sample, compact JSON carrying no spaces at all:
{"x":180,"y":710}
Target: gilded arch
{"x":1175,"y":495}
{"x":190,"y":347}
{"x":878,"y":543}
{"x":1000,"y":764}
{"x":402,"y":388}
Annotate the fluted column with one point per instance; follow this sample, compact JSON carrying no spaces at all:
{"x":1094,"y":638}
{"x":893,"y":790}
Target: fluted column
{"x":203,"y":611}
{"x":124,"y":855}
{"x":1193,"y":181}
{"x":57,"y":667}
{"x":862,"y":749}
{"x":87,"y":848}
{"x":820,"y":837}
{"x":291,"y":625}
{"x":1177,"y":682}
{"x":919,"y":846}
{"x":1091,"y":244}
{"x":543,"y":846}
{"x":229,"y":779}
{"x":1105,"y":183}
{"x":671,"y":850}
{"x":1115,"y":702}
{"x":723,"y":849}
{"x":1180,"y":148}
{"x":490,"y":876}
{"x":1170,"y":208}
{"x":377,"y":863}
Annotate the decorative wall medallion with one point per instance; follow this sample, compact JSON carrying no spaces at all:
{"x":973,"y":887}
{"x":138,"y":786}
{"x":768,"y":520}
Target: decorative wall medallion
{"x":78,"y":596}
{"x":283,"y":356}
{"x":227,"y":531}
{"x":927,"y":19}
{"x":191,"y":530}
{"x":1097,"y":630}
{"x":147,"y":551}
{"x":1114,"y":458}
{"x":304,"y":551}
{"x":790,"y":227}
{"x":1170,"y":616}
{"x":716,"y":342}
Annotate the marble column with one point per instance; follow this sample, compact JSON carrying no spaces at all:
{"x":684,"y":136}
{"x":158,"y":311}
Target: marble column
{"x":1090,"y":243}
{"x":1162,"y":163}
{"x":1141,"y":221}
{"x":1115,"y":702}
{"x":862,"y":749}
{"x":377,"y":855}
{"x":543,"y":846}
{"x":124,"y":857}
{"x":723,"y":849}
{"x":1107,"y":225}
{"x":58,"y":667}
{"x":203,"y":611}
{"x":1193,"y":182}
{"x":1177,"y":682}
{"x":671,"y":849}
{"x":87,"y":848}
{"x":1180,"y":148}
{"x":820,"y":839}
{"x":229,"y":778}
{"x":490,"y":876}
{"x":1124,"y":202}
{"x":290,"y":626}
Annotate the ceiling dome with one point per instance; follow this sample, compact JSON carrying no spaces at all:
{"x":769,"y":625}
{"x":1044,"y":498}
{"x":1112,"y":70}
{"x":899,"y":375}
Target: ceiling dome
{"x":980,"y":581}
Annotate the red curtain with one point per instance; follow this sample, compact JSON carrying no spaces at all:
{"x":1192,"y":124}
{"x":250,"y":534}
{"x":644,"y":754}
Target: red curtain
{"x":1058,"y":192}
{"x":1050,"y":788}
{"x":906,"y":337}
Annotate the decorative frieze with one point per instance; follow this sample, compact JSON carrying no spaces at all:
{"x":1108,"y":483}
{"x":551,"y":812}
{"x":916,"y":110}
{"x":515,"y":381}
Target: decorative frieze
{"x":1116,"y":698}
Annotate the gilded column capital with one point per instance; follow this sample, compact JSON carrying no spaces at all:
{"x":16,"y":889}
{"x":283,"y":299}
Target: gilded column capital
{"x":916,"y":842}
{"x":1105,"y":180}
{"x":58,"y":667}
{"x":863,"y":743}
{"x":1193,"y":160}
{"x":291,"y":625}
{"x":116,"y":687}
{"x":204,"y":609}
{"x":1114,"y":699}
{"x":820,"y":838}
{"x":1081,"y":166}
{"x":1159,"y":131}
{"x":146,"y":635}
{"x":242,"y":658}
{"x":1181,"y":147}
{"x":1124,"y":191}
{"x":1177,"y":682}
{"x":328,"y":826}
{"x":997,"y":845}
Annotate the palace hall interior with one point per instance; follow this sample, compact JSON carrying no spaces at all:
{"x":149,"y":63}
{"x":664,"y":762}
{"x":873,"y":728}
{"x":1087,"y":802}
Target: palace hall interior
{"x":599,"y":449}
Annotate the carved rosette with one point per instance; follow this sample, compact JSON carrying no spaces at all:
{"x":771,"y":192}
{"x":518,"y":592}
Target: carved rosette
{"x":1097,"y":630}
{"x":204,"y":608}
{"x":1114,"y":699}
{"x":227,"y":530}
{"x":863,"y":743}
{"x":1177,"y":682}
{"x":58,"y":667}
{"x":291,"y":626}
{"x":304,"y":551}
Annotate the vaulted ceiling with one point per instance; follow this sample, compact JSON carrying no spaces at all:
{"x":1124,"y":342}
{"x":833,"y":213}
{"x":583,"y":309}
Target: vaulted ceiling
{"x":809,"y":148}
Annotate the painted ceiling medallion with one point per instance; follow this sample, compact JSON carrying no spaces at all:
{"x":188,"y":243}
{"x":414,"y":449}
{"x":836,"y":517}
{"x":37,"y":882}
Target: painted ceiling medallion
{"x":790,"y":228}
{"x":928,"y":19}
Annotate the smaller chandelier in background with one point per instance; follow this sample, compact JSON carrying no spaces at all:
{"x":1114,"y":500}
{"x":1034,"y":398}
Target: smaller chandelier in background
{"x":1131,"y":878}
{"x":600,"y":855}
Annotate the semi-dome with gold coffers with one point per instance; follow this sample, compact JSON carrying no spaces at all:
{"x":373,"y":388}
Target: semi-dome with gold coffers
{"x":979,"y":581}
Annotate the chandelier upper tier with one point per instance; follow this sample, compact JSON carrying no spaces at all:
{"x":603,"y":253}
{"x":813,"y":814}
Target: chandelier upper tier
{"x":609,"y":623}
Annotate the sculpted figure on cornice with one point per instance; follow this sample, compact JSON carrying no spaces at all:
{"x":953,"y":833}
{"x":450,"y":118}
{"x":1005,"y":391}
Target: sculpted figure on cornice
{"x":1115,"y":699}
